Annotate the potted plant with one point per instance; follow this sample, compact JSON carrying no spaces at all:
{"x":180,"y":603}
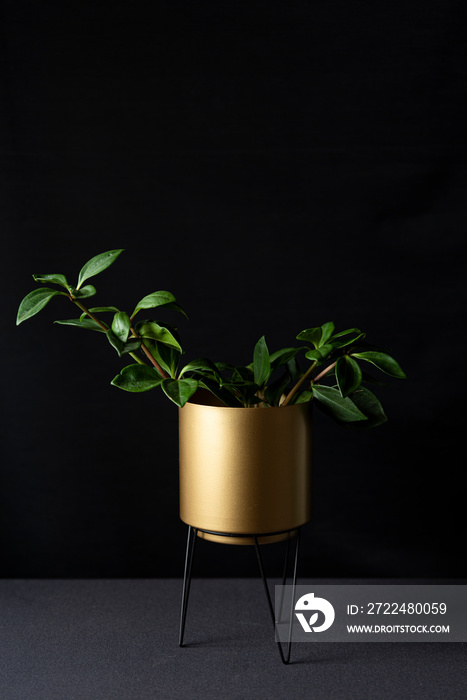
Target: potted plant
{"x":245,"y":431}
{"x":236,"y":462}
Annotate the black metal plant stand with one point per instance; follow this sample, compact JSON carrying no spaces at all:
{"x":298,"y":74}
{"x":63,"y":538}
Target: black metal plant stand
{"x":190,"y":549}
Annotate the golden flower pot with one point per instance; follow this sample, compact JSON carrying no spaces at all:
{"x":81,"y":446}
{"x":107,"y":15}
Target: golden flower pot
{"x":244,"y":470}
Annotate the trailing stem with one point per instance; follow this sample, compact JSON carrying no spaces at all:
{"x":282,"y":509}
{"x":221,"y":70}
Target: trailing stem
{"x":105,"y":329}
{"x":315,"y":380}
{"x":88,"y":313}
{"x":297,"y":386}
{"x":325,"y":371}
{"x":151,"y":359}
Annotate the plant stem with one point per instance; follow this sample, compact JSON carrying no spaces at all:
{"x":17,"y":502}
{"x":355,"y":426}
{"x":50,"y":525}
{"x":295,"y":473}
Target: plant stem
{"x":319,"y":376}
{"x":297,"y":386}
{"x":105,"y":328}
{"x":325,"y":371}
{"x":86,"y":311}
{"x":151,"y":359}
{"x":137,"y":359}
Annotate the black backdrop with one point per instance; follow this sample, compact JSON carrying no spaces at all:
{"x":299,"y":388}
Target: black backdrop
{"x":275,"y":165}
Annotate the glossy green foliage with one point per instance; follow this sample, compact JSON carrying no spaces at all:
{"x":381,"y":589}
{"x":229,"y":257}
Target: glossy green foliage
{"x":382,"y":361}
{"x":123,"y":347}
{"x":179,"y":390}
{"x":34,"y":302}
{"x":121,"y":326}
{"x":158,"y":299}
{"x":86,"y":323}
{"x":261,"y":363}
{"x":52,"y":279}
{"x":161,"y":333}
{"x":348,"y":375}
{"x":325,"y":368}
{"x":97,"y":264}
{"x":340,"y":408}
{"x":137,"y":378}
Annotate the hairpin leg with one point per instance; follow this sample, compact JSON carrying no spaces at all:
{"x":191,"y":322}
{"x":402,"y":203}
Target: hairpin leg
{"x":190,"y":550}
{"x":284,"y":579}
{"x":284,"y":658}
{"x":189,"y":555}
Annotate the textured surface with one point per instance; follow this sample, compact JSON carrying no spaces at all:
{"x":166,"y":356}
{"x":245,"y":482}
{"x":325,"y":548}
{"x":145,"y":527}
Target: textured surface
{"x":117,"y":640}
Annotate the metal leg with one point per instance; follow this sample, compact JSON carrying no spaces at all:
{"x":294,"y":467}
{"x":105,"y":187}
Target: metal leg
{"x":284,"y":658}
{"x":190,"y":550}
{"x":284,"y":579}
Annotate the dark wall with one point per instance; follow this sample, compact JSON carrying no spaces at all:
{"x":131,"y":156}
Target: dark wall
{"x":275,"y":166}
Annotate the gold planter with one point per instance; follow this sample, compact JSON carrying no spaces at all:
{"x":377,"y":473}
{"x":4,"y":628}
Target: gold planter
{"x":244,"y":470}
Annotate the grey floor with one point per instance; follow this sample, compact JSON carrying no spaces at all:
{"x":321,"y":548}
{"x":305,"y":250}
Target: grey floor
{"x":118,"y":640}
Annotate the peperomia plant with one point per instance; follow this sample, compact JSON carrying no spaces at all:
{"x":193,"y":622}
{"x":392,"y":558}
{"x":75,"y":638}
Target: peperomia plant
{"x":333,"y":378}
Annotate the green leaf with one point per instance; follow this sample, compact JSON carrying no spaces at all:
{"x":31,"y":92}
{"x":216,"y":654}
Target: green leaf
{"x":293,"y":370}
{"x":314,"y":355}
{"x":97,"y":264}
{"x":121,"y":347}
{"x":348,"y":375}
{"x":131,"y":345}
{"x":241,"y":384}
{"x":87,"y":291}
{"x":344,"y":342}
{"x":311,"y":335}
{"x":382,"y":361}
{"x":100,"y":310}
{"x":202,"y":366}
{"x":174,"y":307}
{"x":342,"y":409}
{"x":179,"y":390}
{"x":86,"y":323}
{"x":261,"y":362}
{"x":151,"y":301}
{"x":154,"y":331}
{"x":244,"y":390}
{"x":276,"y":389}
{"x":34,"y":302}
{"x":368,"y":404}
{"x":137,"y":378}
{"x":55,"y":279}
{"x":104,"y":309}
{"x":281,"y":357}
{"x":327,"y":330}
{"x":319,"y":353}
{"x":317,"y":336}
{"x":302,"y":397}
{"x":347,"y":332}
{"x":121,"y":325}
{"x":167,"y":357}
{"x":222,"y":393}
{"x":245,"y":374}
{"x":237,"y":382}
